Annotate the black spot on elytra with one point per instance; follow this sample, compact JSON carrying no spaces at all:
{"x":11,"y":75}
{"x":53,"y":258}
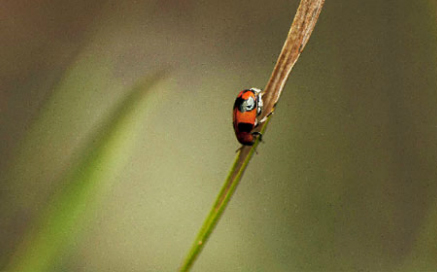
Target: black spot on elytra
{"x":245,"y":127}
{"x":238,"y":102}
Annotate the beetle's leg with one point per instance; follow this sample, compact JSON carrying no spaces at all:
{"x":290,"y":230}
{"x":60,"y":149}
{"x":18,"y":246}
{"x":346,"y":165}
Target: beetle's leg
{"x":259,"y":134}
{"x":257,"y":123}
{"x":265,"y":118}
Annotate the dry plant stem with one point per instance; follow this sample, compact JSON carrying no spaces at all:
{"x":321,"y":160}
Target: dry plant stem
{"x":300,"y":31}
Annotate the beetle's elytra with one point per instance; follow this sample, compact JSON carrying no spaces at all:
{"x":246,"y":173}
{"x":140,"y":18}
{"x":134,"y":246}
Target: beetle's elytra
{"x":247,"y":108}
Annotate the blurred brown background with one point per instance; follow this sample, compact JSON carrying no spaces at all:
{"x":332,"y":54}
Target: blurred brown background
{"x":346,"y":179}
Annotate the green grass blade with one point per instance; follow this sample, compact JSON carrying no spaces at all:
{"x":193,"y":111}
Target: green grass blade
{"x":231,"y":183}
{"x":66,"y":215}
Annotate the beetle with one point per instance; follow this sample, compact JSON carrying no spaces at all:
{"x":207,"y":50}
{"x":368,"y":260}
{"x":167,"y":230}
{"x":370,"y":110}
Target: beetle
{"x":247,"y":108}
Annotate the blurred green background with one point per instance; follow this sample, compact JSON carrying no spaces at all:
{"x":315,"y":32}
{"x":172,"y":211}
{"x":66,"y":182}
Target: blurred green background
{"x":346,"y":178}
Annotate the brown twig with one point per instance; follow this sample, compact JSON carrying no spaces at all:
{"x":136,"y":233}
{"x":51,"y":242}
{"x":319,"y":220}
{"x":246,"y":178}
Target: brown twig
{"x":300,"y":31}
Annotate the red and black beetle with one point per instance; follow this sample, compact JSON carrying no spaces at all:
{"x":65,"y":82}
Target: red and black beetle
{"x":247,"y":108}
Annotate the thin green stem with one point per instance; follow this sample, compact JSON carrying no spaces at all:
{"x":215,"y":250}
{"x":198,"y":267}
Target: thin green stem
{"x":233,"y":179}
